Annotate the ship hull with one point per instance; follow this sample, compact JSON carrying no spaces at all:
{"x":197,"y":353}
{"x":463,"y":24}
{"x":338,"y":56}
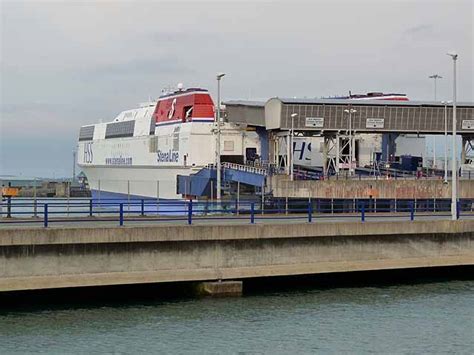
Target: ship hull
{"x":138,"y":182}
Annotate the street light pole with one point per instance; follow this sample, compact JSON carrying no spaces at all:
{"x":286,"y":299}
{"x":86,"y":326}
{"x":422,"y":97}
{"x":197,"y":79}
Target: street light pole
{"x":445,"y":103}
{"x":454,"y":187}
{"x":435,"y":77}
{"x":293,"y":115}
{"x":218,"y":139}
{"x":73,"y":165}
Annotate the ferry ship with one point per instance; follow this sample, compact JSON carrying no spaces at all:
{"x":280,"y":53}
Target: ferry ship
{"x":141,"y":152}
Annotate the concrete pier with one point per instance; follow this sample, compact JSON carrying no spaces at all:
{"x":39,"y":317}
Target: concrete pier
{"x":40,"y":258}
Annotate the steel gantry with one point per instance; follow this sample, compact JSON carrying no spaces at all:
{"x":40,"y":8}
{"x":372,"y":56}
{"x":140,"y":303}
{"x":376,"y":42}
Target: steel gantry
{"x":328,"y":119}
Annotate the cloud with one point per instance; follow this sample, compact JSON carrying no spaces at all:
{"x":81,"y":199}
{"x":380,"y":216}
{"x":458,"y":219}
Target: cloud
{"x":419,"y":29}
{"x":37,"y":120}
{"x":66,"y":64}
{"x":139,"y":67}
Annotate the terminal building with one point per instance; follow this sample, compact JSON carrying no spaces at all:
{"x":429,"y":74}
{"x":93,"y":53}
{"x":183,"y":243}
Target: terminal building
{"x":339,"y":134}
{"x":307,"y":144}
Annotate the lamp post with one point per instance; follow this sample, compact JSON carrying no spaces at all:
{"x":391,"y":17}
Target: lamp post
{"x":293,"y":115}
{"x":435,"y":77}
{"x":350,"y":111}
{"x":454,"y":187}
{"x":218,"y":138}
{"x":73,"y":165}
{"x":445,"y":103}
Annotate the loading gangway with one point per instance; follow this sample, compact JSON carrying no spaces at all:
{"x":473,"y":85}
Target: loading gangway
{"x":203,"y":182}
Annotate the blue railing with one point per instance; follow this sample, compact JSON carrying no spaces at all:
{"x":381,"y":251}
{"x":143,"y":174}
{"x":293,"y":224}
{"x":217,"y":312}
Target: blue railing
{"x":47,"y":211}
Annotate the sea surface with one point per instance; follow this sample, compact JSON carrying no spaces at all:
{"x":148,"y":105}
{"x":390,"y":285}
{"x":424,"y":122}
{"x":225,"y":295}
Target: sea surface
{"x":433,"y":317}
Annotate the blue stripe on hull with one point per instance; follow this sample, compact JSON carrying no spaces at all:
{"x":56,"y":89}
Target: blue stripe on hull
{"x":96,"y":194}
{"x":133,"y":203}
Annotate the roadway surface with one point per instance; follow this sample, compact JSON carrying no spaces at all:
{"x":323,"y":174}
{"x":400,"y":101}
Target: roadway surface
{"x":15,"y":223}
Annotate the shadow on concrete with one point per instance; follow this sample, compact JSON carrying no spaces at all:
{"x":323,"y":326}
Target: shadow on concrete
{"x":143,"y":294}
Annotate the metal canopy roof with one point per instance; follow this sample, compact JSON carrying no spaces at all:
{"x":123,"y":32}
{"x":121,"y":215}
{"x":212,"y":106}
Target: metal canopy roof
{"x":370,"y":116}
{"x":245,"y":103}
{"x":304,"y":101}
{"x":251,"y":113}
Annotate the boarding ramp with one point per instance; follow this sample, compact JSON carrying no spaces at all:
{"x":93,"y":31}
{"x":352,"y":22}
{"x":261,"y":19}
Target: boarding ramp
{"x":203,"y":183}
{"x":245,"y":174}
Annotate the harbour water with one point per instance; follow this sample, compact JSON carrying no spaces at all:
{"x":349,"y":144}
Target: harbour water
{"x":428,"y":317}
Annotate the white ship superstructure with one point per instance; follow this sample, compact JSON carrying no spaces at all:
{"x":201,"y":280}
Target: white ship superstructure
{"x":142,"y":151}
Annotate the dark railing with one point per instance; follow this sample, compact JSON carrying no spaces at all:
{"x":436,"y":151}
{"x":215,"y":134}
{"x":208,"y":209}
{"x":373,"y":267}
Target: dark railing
{"x":47,"y":211}
{"x":302,"y":173}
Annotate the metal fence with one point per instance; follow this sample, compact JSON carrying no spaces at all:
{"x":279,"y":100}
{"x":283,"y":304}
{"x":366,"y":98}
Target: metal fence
{"x":81,"y":210}
{"x":302,"y":174}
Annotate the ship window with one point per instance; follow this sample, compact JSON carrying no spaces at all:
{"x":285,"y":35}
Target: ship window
{"x":152,"y":126}
{"x":176,"y":139}
{"x":250,"y":154}
{"x":120,"y":129}
{"x":153,"y":145}
{"x":86,"y":133}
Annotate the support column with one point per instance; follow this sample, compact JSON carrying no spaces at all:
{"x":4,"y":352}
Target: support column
{"x":330,"y":154}
{"x":464,"y":148}
{"x":219,"y":288}
{"x":276,"y":151}
{"x":388,"y":146}
{"x":264,"y":144}
{"x":325,"y":156}
{"x":272,"y":150}
{"x":353,"y":153}
{"x":288,"y":155}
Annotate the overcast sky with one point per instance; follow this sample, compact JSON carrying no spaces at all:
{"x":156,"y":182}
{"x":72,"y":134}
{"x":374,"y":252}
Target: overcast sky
{"x":66,"y":64}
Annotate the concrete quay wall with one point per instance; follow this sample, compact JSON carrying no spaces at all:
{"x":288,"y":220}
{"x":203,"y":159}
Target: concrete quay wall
{"x":40,"y":258}
{"x":387,"y":189}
